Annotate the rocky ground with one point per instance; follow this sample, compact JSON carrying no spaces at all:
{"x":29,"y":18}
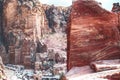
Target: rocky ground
{"x":56,"y":42}
{"x":12,"y":75}
{"x":54,"y":59}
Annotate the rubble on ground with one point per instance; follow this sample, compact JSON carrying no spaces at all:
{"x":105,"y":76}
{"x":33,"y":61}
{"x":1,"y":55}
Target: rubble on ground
{"x":110,"y":70}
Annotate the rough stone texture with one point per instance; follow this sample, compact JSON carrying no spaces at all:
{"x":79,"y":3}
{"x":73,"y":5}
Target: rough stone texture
{"x":2,"y":70}
{"x":116,"y":7}
{"x":25,"y":29}
{"x":116,"y":10}
{"x":57,"y":17}
{"x":0,"y":21}
{"x":24,"y":25}
{"x":2,"y":47}
{"x":105,"y":65}
{"x":93,"y":35}
{"x":3,"y":54}
{"x":85,"y":73}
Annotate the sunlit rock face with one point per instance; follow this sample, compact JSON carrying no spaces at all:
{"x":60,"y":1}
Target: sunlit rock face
{"x":93,"y":35}
{"x":24,"y":25}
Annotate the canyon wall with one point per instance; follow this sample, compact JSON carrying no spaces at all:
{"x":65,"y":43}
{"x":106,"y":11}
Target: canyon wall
{"x":57,"y":17}
{"x":24,"y":24}
{"x":2,"y":47}
{"x":93,"y":35}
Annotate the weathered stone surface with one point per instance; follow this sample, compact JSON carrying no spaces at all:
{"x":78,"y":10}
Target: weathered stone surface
{"x":24,"y":25}
{"x":116,"y":7}
{"x":85,"y":73}
{"x":57,"y":17}
{"x":1,"y":9}
{"x":2,"y":70}
{"x":2,"y":47}
{"x":26,"y":29}
{"x":104,"y":65}
{"x":93,"y":35}
{"x":51,"y":61}
{"x":77,"y":71}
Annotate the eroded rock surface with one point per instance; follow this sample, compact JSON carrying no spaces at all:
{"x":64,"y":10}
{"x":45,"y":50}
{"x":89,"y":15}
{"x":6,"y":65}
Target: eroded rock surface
{"x":94,"y":34}
{"x":57,"y":17}
{"x":24,"y":26}
{"x":2,"y":47}
{"x":2,"y":70}
{"x":116,"y":7}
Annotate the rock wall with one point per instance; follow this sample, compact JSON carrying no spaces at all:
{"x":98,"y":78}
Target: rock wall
{"x":0,"y":22}
{"x":1,"y":11}
{"x":116,"y":10}
{"x":57,"y":17}
{"x":24,"y":26}
{"x":2,"y":47}
{"x":116,"y":7}
{"x":93,"y":35}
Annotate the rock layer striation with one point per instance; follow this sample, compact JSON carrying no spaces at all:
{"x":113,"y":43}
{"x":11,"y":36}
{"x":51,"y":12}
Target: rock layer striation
{"x":93,"y":35}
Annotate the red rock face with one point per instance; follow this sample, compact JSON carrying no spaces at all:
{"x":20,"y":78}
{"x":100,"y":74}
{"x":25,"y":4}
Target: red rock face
{"x":93,"y":34}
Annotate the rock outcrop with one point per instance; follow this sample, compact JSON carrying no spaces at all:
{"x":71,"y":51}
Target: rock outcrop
{"x":57,"y":17}
{"x":94,"y":34}
{"x":2,"y":70}
{"x":116,"y":7}
{"x":0,"y":20}
{"x":24,"y":26}
{"x":2,"y":47}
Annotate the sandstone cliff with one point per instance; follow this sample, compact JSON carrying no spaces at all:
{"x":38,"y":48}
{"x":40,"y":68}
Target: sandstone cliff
{"x":94,"y":34}
{"x":26,"y":27}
